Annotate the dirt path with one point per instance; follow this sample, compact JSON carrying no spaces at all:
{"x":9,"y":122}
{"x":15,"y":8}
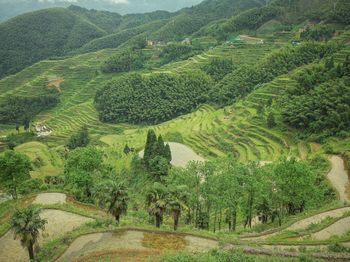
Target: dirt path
{"x":304,"y":223}
{"x":339,"y":228}
{"x":338,"y":176}
{"x":59,"y":222}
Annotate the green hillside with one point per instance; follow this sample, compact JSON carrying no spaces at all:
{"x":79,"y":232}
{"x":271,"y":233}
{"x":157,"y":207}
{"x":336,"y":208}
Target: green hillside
{"x":258,"y":92}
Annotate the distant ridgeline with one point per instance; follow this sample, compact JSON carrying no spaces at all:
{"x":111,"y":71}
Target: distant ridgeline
{"x":48,"y":33}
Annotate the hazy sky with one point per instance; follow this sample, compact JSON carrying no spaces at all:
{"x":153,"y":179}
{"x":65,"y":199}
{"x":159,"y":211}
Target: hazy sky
{"x":10,"y":8}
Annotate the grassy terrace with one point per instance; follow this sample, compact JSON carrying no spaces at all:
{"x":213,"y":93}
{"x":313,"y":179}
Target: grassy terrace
{"x":211,"y":132}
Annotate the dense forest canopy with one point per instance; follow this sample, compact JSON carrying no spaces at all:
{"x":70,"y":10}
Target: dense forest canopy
{"x":242,"y":80}
{"x":17,"y":110}
{"x":153,"y":99}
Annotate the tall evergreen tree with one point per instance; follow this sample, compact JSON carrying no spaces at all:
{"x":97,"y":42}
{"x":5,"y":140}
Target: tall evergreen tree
{"x":167,"y":153}
{"x":160,"y":151}
{"x":150,"y":146}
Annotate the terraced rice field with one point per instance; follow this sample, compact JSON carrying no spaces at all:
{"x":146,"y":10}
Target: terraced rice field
{"x":132,"y":241}
{"x":210,"y":132}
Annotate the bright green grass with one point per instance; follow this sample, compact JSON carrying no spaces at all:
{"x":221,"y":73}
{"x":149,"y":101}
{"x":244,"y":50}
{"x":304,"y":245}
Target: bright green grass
{"x":49,"y":161}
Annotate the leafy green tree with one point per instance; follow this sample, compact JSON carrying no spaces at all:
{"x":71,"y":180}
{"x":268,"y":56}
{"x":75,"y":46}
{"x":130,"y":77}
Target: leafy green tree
{"x":83,"y":166}
{"x":177,"y":201}
{"x":126,"y":61}
{"x":80,"y":139}
{"x":158,"y":167}
{"x":218,"y":68}
{"x":26,"y":224}
{"x":296,"y":183}
{"x":14,"y":170}
{"x":156,"y":202}
{"x":113,"y":196}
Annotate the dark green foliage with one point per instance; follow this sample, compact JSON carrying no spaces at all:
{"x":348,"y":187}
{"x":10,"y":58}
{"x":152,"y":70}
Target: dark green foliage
{"x":326,"y":107}
{"x":175,"y":52}
{"x":179,"y":27}
{"x":126,"y":61}
{"x":117,"y":39}
{"x":318,"y":33}
{"x":154,"y":99}
{"x":113,"y":196}
{"x":242,"y":80}
{"x":156,"y":156}
{"x":218,"y":68}
{"x":190,"y":20}
{"x":251,"y":19}
{"x":105,"y":20}
{"x":320,"y":101}
{"x":158,"y":167}
{"x":160,"y":148}
{"x":338,"y":248}
{"x":338,"y":12}
{"x":167,"y":153}
{"x":32,"y":37}
{"x":271,"y":123}
{"x":80,"y":139}
{"x":14,"y":170}
{"x":20,"y":110}
{"x":84,"y":166}
{"x":126,"y":149}
{"x":30,"y":186}
{"x":151,"y":145}
{"x":54,"y":180}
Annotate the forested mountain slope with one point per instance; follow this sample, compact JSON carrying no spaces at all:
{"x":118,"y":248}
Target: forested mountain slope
{"x":32,"y":37}
{"x":57,"y":31}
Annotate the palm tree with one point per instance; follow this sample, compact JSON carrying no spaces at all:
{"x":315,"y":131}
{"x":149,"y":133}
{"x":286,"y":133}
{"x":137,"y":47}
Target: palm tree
{"x":177,"y":200}
{"x":156,"y":201}
{"x":26,"y":224}
{"x":113,"y":196}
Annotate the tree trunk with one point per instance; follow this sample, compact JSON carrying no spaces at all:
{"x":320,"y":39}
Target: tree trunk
{"x":233,"y":221}
{"x":220,"y":220}
{"x":176,"y":219}
{"x":31,"y":250}
{"x":117,"y":218}
{"x":214,"y":229}
{"x":158,"y":220}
